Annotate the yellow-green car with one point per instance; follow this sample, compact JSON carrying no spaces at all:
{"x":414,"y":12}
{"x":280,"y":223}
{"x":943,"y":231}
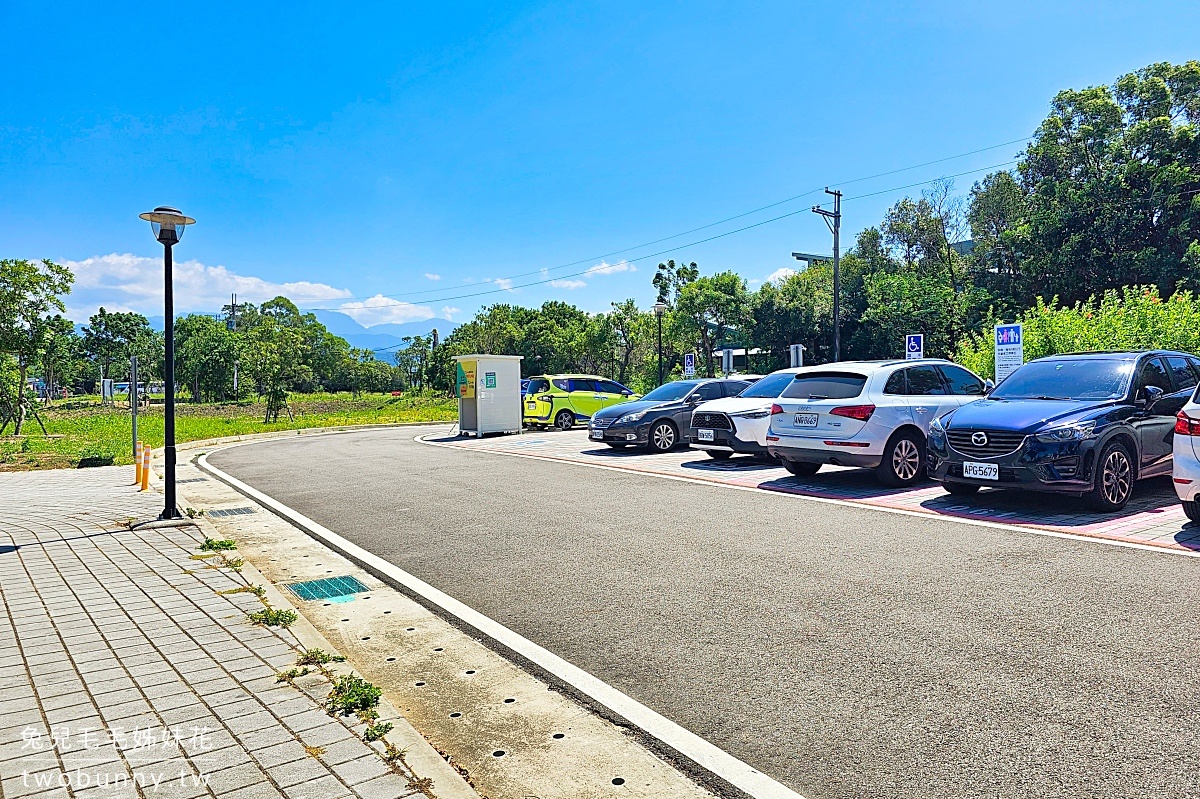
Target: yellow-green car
{"x":565,"y":400}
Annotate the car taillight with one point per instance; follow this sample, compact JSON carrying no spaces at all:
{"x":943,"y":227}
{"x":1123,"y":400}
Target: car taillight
{"x":860,"y":412}
{"x":545,"y":398}
{"x":776,"y":409}
{"x":1186,"y":425}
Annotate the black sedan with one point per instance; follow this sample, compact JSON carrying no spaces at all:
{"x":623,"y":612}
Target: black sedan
{"x":1088,"y":424}
{"x":661,"y":420}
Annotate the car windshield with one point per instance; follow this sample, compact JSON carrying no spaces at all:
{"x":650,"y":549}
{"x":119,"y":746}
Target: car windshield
{"x":769,"y":387}
{"x":1076,"y":379}
{"x":671,"y":391}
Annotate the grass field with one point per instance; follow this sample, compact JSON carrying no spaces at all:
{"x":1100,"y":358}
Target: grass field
{"x":99,"y":433}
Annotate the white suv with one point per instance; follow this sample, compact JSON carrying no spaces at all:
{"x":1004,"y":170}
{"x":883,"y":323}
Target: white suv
{"x":1186,"y":452}
{"x":867,"y":413}
{"x":722,"y":427}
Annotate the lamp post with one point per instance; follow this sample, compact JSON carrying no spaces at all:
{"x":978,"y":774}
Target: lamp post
{"x":660,"y":308}
{"x":168,"y":226}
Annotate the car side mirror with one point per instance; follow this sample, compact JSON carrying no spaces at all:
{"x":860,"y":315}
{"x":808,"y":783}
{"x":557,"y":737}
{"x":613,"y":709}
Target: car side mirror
{"x":988,"y":385}
{"x":626,"y":393}
{"x":695,"y":398}
{"x":1150,"y":395}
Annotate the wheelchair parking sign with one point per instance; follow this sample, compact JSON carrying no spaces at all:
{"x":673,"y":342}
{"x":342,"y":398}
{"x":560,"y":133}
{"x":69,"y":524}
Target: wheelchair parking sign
{"x":914,"y":346}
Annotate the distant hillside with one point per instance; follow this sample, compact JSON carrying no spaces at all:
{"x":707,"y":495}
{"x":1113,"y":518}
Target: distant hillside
{"x":377,"y":337}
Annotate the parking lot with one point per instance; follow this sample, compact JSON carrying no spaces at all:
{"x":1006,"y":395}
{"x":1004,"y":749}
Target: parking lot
{"x":1153,"y":517}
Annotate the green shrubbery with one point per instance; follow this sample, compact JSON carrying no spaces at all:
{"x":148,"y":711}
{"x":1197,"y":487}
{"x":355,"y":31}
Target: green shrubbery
{"x":1135,"y":318}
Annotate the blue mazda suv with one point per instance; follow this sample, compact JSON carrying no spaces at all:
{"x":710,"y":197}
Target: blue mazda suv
{"x":1087,"y":424}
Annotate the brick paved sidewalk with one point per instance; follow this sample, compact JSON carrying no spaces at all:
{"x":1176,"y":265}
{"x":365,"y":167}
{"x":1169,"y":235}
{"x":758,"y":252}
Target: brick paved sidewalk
{"x":126,"y":671}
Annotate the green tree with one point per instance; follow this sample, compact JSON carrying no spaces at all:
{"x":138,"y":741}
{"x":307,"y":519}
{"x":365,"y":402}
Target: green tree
{"x":29,"y":292}
{"x":110,"y":339}
{"x":205,"y":354}
{"x":708,"y":309}
{"x":62,"y":354}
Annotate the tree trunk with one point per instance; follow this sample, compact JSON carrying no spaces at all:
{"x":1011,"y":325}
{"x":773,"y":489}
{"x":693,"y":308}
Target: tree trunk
{"x":21,"y":398}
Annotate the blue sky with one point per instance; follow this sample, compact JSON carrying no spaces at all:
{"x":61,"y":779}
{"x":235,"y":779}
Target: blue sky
{"x":344,"y":152}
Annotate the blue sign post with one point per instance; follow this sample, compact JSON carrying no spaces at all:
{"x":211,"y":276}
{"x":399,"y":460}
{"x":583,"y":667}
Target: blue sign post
{"x":914,"y":346}
{"x":689,"y":364}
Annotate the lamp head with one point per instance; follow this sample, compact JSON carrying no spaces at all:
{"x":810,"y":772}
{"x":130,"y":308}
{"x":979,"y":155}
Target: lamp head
{"x":660,"y":308}
{"x":167,"y":223}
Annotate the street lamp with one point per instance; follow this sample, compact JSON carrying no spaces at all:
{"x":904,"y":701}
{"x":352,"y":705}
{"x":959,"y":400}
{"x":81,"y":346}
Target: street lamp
{"x":660,"y":308}
{"x":168,"y":226}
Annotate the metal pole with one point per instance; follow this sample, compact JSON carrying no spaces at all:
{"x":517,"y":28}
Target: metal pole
{"x":660,"y":364}
{"x":133,"y":398}
{"x":170,"y":511}
{"x":837,"y":275}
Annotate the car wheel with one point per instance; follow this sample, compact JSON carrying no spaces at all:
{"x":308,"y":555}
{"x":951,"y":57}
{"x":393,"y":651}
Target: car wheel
{"x":802,"y":468}
{"x":616,"y":445}
{"x":663,"y":437}
{"x":903,"y":460}
{"x":1192,"y":510}
{"x":961,"y":489}
{"x":565,"y":420}
{"x":719,"y":454}
{"x":1113,"y":479}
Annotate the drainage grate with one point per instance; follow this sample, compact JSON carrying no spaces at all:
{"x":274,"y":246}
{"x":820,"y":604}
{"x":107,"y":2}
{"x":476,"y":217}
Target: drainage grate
{"x":328,"y":588}
{"x":193,"y":480}
{"x":229,"y":511}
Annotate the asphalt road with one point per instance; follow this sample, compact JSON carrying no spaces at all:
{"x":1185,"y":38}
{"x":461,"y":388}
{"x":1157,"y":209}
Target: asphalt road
{"x":844,"y":651}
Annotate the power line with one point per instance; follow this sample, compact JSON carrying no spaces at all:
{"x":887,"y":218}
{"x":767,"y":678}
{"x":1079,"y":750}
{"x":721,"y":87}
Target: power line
{"x":713,"y":224}
{"x":593,"y":269}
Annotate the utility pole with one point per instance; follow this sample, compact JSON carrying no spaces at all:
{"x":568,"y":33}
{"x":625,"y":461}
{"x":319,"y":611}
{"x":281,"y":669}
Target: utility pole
{"x":833,"y":219}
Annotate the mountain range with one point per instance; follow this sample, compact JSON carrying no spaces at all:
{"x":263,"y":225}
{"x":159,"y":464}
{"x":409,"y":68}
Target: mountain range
{"x":381,"y":338}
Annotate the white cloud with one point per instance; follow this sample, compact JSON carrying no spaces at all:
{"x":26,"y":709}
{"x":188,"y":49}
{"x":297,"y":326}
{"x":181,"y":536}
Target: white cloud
{"x":381,"y":310}
{"x":503,"y":282}
{"x":432,"y":276}
{"x":781,"y":274}
{"x":448,"y":311}
{"x":567,"y":284}
{"x":604,"y":268}
{"x":134,"y":283}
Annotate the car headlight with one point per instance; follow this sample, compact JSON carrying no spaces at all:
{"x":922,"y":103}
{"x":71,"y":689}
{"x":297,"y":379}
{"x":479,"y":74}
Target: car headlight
{"x":629,"y":418}
{"x":936,"y":428}
{"x":762,"y":413}
{"x":1067,"y":432}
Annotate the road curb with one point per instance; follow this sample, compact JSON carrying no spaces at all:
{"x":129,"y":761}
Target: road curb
{"x":719,"y":766}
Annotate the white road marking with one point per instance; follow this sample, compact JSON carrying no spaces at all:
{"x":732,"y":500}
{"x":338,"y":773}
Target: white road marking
{"x":689,"y":745}
{"x":1012,"y":528}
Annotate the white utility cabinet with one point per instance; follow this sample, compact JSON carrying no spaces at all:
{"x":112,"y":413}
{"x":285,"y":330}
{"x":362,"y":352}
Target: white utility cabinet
{"x":489,"y":393}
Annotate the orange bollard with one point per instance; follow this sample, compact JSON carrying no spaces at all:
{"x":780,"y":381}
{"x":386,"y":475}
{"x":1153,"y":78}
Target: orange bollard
{"x":137,"y":464}
{"x":145,"y":468}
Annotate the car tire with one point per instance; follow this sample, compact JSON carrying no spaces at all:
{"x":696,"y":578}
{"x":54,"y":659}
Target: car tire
{"x":564,"y":420}
{"x":1113,"y":479}
{"x":719,"y":454}
{"x":961,"y":489}
{"x":802,"y":468}
{"x":1191,"y":510}
{"x":663,"y":437}
{"x":903,"y":461}
{"x":616,"y":445}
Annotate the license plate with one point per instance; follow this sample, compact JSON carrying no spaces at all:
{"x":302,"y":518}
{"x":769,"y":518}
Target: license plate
{"x":705,"y":435}
{"x":596,"y":433}
{"x":805,"y":420}
{"x":530,"y":405}
{"x":981,"y":471}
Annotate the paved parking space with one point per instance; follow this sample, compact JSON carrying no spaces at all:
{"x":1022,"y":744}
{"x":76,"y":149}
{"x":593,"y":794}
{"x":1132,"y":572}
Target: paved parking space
{"x":1153,"y":517}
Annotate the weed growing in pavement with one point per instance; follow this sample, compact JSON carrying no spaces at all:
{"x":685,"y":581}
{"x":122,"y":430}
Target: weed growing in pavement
{"x":377,"y":731}
{"x":390,"y":753}
{"x":203,"y":555}
{"x":291,"y":674}
{"x":352,"y":694}
{"x":273,"y":617}
{"x":368,"y":716}
{"x":257,"y":590}
{"x":315,"y":751}
{"x":217,"y":544}
{"x":235,"y":563}
{"x":318,"y":657}
{"x":193,"y":513}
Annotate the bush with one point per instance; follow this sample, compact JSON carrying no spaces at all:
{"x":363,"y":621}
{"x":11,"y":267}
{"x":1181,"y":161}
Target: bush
{"x":1134,"y":318}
